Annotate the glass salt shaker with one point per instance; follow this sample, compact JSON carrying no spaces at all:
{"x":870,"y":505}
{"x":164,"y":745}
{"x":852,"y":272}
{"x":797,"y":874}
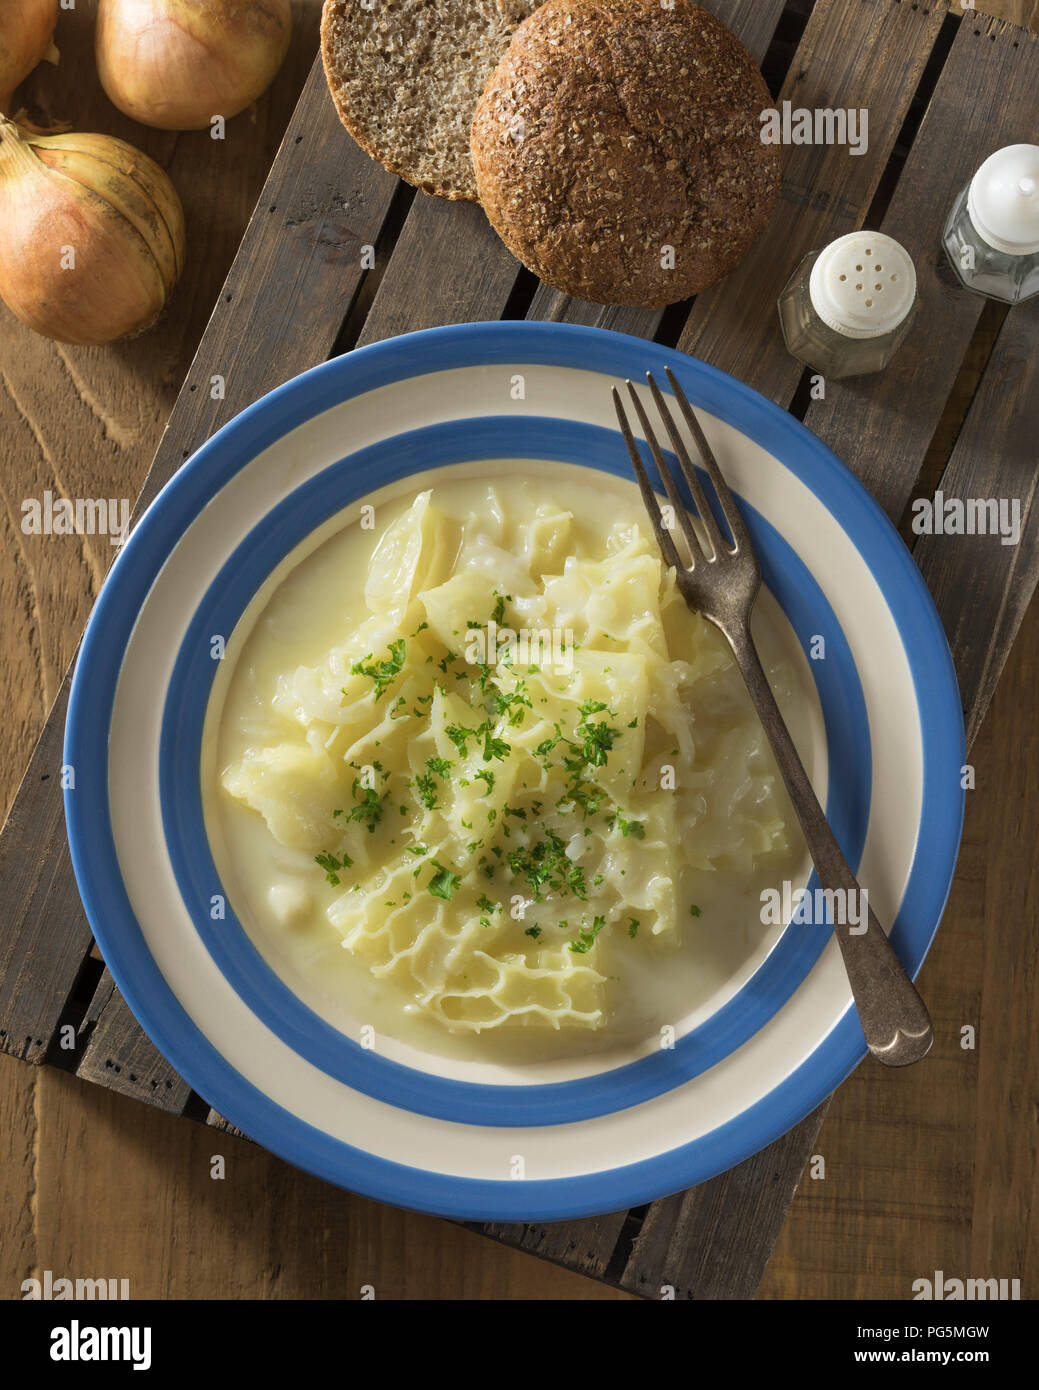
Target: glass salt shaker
{"x":992,"y":235}
{"x":847,"y":308}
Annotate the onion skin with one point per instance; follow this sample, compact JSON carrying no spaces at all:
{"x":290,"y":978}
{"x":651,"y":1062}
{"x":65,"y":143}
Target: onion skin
{"x":175,"y":64}
{"x":26,"y":38}
{"x":119,"y":212}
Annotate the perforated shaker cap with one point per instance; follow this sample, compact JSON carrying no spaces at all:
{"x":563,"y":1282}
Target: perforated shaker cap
{"x":863,"y":284}
{"x":1003,"y":201}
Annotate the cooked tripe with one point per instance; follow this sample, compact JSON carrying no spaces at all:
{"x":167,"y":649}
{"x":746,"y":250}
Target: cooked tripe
{"x":493,"y":784}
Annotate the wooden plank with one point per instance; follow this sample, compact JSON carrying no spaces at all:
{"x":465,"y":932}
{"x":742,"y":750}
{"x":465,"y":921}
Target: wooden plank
{"x":448,"y":266}
{"x":46,"y":936}
{"x":120,"y":1055}
{"x":18,"y":1134}
{"x":1004,"y":1233}
{"x":870,"y":54}
{"x":216,"y":1121}
{"x":980,"y":586}
{"x":586,"y":1245}
{"x":867,"y":423}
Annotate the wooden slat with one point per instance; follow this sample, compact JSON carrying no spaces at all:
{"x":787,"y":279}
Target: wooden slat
{"x":45,"y":936}
{"x":867,"y":422}
{"x":868,"y":54}
{"x":586,"y":1245}
{"x":980,"y":586}
{"x":448,"y":266}
{"x":216,"y":1121}
{"x":119,"y":1054}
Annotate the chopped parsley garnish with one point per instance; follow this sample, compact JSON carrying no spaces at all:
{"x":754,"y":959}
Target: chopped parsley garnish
{"x":426,"y":789}
{"x":628,"y":827}
{"x":586,"y":937}
{"x":368,"y":810}
{"x":694,"y":911}
{"x":443,"y":883}
{"x":458,"y":737}
{"x":493,"y":747}
{"x":383,"y":673}
{"x":332,"y":865}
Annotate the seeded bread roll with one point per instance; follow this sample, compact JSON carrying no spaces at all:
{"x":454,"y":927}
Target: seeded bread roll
{"x":405,"y":76}
{"x":618,"y":153}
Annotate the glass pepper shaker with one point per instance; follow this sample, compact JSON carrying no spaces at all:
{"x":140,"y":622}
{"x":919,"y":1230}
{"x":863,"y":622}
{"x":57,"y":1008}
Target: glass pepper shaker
{"x":992,"y":235}
{"x":847,"y":308}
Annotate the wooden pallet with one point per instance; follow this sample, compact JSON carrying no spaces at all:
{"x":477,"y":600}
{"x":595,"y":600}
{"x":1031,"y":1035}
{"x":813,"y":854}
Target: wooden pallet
{"x":296,"y":295}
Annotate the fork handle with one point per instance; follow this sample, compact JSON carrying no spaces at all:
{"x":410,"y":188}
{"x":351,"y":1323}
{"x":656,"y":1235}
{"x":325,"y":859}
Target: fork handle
{"x":894,"y":1018}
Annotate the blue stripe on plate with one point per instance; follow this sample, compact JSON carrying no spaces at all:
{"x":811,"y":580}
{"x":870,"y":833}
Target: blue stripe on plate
{"x":284,"y":527}
{"x":88,"y":814}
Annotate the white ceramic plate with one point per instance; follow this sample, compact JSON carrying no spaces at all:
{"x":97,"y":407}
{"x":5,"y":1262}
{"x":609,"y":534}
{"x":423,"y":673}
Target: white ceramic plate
{"x":453,"y":1137}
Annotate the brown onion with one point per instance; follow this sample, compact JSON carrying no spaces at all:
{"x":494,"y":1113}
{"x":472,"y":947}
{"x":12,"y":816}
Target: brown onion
{"x":26,"y":38}
{"x":176,"y":64}
{"x":93,"y":235}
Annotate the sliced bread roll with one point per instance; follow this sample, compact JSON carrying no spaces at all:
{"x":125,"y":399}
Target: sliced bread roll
{"x":406,"y":75}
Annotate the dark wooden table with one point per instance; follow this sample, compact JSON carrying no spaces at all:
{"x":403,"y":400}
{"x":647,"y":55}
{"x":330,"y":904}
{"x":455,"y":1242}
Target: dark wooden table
{"x":942,"y":92}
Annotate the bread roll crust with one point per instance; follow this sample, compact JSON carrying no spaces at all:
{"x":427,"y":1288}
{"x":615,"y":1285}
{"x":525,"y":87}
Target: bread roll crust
{"x":613,"y":130}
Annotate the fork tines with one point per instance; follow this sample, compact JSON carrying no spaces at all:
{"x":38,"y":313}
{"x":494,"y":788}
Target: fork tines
{"x":725,"y":499}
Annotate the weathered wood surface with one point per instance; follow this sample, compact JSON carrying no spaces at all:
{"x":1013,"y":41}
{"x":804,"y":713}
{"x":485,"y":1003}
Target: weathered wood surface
{"x":980,"y":585}
{"x":315,"y":214}
{"x":871,"y":55}
{"x":865,"y":420}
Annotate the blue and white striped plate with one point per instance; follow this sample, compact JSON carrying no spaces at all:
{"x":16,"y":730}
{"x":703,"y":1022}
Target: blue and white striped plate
{"x":448,"y":1136}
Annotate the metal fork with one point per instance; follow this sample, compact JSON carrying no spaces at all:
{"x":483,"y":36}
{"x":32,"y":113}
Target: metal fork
{"x":723,"y":586}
